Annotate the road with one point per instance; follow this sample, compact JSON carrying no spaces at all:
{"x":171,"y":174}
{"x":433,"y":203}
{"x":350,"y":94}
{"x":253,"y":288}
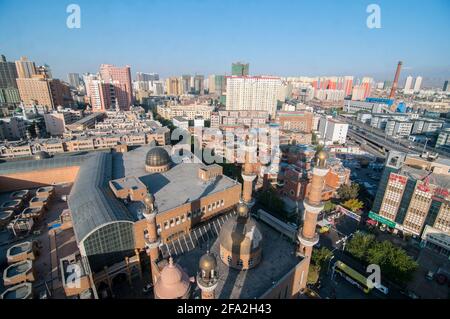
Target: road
{"x":377,"y":136}
{"x":339,"y":287}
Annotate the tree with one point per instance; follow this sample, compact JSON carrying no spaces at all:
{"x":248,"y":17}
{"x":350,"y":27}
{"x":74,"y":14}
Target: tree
{"x":346,"y":192}
{"x":329,"y":206}
{"x":394,"y":262}
{"x":269,"y":198}
{"x":359,"y":244}
{"x":353,"y":204}
{"x":321,"y":256}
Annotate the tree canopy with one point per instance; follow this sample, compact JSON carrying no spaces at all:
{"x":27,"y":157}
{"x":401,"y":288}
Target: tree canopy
{"x":353,"y":204}
{"x":395,"y":264}
{"x":346,"y":192}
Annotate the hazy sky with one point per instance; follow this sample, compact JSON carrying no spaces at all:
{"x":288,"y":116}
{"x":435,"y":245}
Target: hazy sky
{"x":276,"y":37}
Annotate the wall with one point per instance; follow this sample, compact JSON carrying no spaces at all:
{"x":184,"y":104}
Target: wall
{"x":33,"y":179}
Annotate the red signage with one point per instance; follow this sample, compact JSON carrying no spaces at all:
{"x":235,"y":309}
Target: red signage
{"x":398,"y":178}
{"x":441,"y":192}
{"x":423,"y":188}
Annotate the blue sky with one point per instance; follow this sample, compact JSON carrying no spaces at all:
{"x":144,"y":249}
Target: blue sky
{"x":276,"y":37}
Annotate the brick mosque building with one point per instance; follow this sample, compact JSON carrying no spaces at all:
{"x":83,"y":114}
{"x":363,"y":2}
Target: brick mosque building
{"x":194,"y":224}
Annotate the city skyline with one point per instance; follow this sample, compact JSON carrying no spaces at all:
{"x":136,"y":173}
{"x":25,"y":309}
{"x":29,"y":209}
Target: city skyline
{"x":276,"y":39}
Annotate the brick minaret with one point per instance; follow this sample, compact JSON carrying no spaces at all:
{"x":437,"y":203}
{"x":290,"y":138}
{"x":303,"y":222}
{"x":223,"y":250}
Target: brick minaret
{"x":248,"y":176}
{"x":207,"y":278}
{"x":152,"y":241}
{"x":307,"y":235}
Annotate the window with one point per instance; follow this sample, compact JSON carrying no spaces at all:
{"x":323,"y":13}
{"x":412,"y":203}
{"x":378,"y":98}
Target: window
{"x":177,"y":219}
{"x":240,"y":263}
{"x":229,"y":259}
{"x":172,"y":222}
{"x":250,"y":262}
{"x":189,"y":216}
{"x":209,"y":207}
{"x":182,"y":218}
{"x":166,"y":225}
{"x":222,"y":202}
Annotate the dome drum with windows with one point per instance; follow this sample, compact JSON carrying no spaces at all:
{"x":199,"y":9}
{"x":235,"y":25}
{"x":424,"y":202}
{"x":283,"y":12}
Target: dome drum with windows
{"x":157,"y":160}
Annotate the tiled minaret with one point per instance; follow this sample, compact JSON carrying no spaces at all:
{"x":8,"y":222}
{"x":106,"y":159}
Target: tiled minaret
{"x":307,"y":235}
{"x":207,"y":278}
{"x":152,"y":241}
{"x":248,"y":176}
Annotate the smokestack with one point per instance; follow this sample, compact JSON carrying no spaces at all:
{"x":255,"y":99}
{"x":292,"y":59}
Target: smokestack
{"x":395,"y":84}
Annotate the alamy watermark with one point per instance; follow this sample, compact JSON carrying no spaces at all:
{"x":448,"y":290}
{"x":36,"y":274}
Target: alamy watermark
{"x":374,"y":19}
{"x":73,"y":20}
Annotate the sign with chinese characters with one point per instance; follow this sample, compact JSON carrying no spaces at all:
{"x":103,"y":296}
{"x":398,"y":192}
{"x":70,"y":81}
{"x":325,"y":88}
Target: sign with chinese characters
{"x":398,"y":178}
{"x":441,"y":192}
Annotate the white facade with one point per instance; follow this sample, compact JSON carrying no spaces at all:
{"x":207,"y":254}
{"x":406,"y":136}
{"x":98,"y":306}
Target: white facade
{"x":418,"y":84}
{"x":408,"y":85}
{"x":253,"y":93}
{"x":332,"y":131}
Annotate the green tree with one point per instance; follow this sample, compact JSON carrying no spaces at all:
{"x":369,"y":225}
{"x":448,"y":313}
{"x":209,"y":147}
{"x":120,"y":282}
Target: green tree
{"x":329,"y":206}
{"x":321,"y":256}
{"x":346,"y":192}
{"x":353,"y":204}
{"x":359,"y":245}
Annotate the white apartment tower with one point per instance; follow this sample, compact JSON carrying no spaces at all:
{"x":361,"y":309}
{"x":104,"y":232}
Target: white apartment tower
{"x":408,"y":85}
{"x":418,"y":84}
{"x":253,"y":93}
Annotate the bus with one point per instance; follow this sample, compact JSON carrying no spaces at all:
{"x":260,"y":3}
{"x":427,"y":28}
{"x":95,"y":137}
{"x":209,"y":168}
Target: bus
{"x":356,"y":279}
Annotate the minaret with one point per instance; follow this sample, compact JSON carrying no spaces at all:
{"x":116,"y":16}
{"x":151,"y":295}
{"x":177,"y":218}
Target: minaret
{"x":307,"y":235}
{"x":117,"y":105}
{"x":248,"y":176}
{"x":152,"y":242}
{"x":207,"y":278}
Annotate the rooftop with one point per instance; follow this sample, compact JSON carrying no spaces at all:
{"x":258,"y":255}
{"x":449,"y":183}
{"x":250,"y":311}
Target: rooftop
{"x":278,"y":258}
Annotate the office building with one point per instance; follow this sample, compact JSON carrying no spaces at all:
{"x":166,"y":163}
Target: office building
{"x":445,"y":87}
{"x":256,"y":93}
{"x":332,"y":131}
{"x":240,"y":69}
{"x":413,"y":195}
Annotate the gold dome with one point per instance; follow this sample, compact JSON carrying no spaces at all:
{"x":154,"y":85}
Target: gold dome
{"x":207,"y":262}
{"x":149,"y":199}
{"x":242,"y":209}
{"x":321,"y":158}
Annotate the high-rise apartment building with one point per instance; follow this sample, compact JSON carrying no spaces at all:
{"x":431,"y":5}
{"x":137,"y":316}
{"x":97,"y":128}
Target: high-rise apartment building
{"x":185,"y":84}
{"x":8,"y":73}
{"x":42,"y":91}
{"x":256,"y":93}
{"x":147,"y":77}
{"x":408,"y":85}
{"x":217,"y":84}
{"x":74,"y":80}
{"x":25,"y":68}
{"x":445,"y":87}
{"x":174,"y":86}
{"x":199,"y":84}
{"x":417,"y":84}
{"x":240,"y":69}
{"x":120,"y":79}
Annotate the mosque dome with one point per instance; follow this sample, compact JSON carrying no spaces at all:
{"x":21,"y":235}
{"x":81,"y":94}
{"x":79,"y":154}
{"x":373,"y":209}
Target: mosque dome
{"x":173,"y":282}
{"x":207,"y":262}
{"x":241,"y":240}
{"x":157,"y":160}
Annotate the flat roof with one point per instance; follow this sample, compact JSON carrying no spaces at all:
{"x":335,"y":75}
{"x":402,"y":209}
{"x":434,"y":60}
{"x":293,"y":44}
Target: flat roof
{"x":178,"y":186}
{"x":278,"y":259}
